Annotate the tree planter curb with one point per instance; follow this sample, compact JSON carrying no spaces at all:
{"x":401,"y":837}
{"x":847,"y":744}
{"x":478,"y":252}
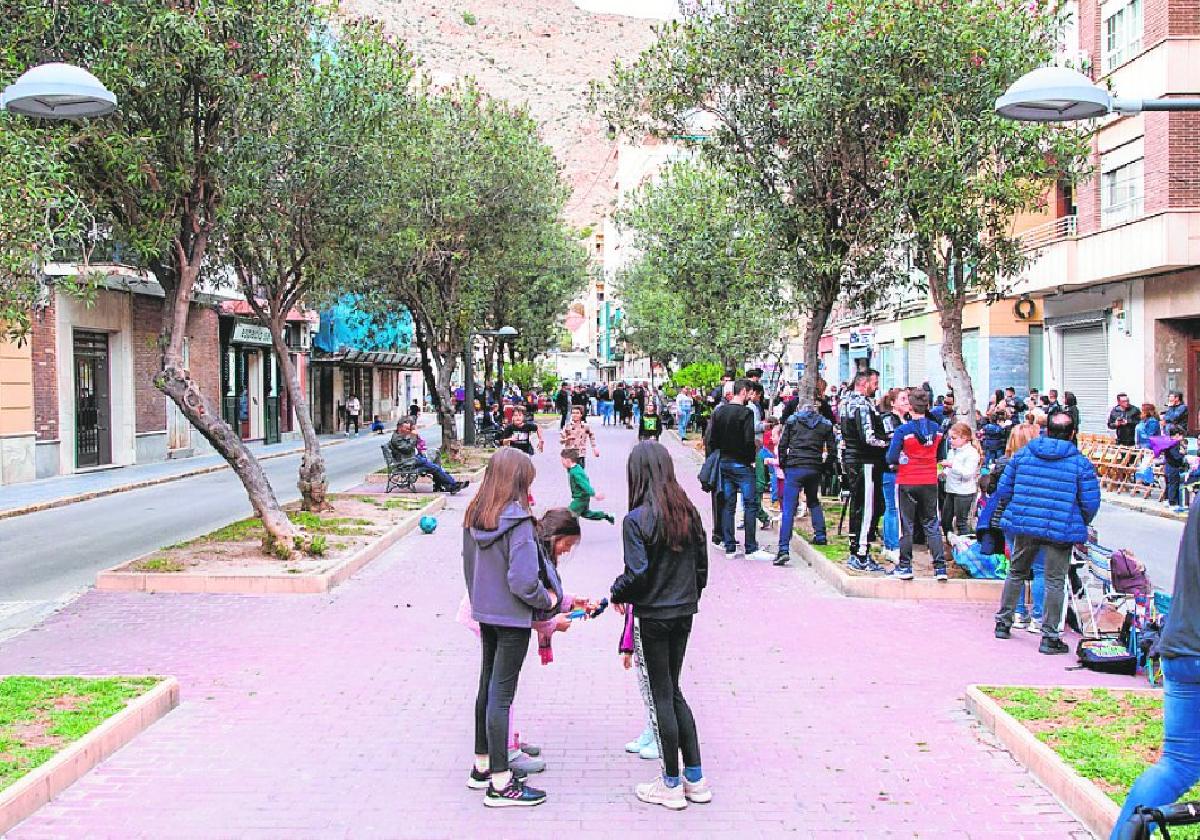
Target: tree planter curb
{"x":44,"y":783}
{"x":114,"y":579}
{"x":920,"y":589}
{"x":1079,"y":795}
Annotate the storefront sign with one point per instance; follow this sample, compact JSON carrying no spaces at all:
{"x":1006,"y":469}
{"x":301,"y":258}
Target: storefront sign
{"x":244,"y":333}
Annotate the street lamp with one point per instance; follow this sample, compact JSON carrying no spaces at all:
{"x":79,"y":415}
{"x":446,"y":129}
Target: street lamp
{"x":58,"y":91}
{"x":502,"y":334}
{"x":1060,"y":94}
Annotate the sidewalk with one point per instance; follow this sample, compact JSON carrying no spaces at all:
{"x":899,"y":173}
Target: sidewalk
{"x":30,"y":496}
{"x":349,"y":715}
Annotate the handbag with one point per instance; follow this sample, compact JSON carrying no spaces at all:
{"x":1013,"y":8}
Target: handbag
{"x":710,"y":471}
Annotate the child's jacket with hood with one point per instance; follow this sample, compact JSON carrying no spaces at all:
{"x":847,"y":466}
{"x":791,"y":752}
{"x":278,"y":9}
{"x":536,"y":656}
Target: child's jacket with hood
{"x":510,"y":584}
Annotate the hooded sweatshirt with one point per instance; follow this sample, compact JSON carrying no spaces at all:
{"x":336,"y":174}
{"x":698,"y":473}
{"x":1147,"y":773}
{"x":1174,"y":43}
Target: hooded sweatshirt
{"x":1181,"y":636}
{"x":914,"y":451}
{"x":807,"y":441}
{"x":508,"y":580}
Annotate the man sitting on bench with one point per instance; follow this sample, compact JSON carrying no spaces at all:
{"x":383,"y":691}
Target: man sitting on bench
{"x":408,"y":448}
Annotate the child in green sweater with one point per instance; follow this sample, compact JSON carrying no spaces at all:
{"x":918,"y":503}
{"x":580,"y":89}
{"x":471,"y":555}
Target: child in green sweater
{"x":581,"y":488}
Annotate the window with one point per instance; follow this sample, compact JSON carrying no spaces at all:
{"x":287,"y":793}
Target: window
{"x":1121,"y":192}
{"x":1122,"y":35}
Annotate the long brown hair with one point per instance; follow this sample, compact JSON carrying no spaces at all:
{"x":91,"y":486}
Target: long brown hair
{"x":556,"y":522}
{"x":509,"y":474}
{"x":650,"y":475}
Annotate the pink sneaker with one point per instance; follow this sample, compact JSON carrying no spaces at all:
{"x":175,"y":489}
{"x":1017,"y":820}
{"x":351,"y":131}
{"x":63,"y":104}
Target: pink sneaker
{"x":658,"y":793}
{"x":697,"y":791}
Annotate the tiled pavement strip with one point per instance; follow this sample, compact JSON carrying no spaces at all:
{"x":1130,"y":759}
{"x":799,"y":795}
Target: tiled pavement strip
{"x":349,"y":715}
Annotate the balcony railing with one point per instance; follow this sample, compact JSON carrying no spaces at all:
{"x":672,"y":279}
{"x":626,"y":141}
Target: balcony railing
{"x":1056,"y":230}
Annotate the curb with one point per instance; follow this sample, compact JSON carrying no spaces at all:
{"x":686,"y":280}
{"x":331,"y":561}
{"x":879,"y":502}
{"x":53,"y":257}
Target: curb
{"x":920,"y":589}
{"x":44,"y":783}
{"x":114,"y":580}
{"x":1151,"y":509}
{"x":1090,"y":805}
{"x":63,"y":501}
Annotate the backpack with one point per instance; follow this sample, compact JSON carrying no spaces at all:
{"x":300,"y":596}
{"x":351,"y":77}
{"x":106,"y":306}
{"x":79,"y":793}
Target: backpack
{"x":1129,"y":573}
{"x":1106,"y":656}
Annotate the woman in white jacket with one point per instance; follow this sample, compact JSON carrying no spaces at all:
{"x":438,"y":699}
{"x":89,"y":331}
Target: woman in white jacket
{"x":961,"y":470}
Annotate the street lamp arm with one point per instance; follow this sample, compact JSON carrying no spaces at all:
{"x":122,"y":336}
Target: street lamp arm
{"x":1120,"y":105}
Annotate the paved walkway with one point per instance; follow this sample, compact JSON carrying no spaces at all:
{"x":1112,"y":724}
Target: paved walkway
{"x":349,"y":715}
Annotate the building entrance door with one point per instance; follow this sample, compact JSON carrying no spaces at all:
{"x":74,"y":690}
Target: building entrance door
{"x":254,"y":386}
{"x":93,"y":408}
{"x":1193,"y":385}
{"x":179,"y":428}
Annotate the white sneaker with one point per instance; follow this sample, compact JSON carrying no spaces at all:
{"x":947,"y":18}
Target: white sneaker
{"x":1035,"y":626}
{"x":640,"y":742}
{"x":761,"y":554}
{"x":892,"y":555}
{"x":1020,"y":622}
{"x":697,"y":791}
{"x":657,"y":793}
{"x":650,"y":751}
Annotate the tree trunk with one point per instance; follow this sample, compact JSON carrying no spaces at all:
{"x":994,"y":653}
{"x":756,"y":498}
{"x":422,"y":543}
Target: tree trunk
{"x":489,"y":363}
{"x":175,"y":381}
{"x":818,"y":317}
{"x":312,"y":483}
{"x":437,"y":375}
{"x":950,"y":307}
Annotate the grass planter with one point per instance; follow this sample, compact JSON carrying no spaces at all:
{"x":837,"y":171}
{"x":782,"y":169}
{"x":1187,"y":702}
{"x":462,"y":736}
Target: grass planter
{"x":1085,"y":745}
{"x":86,"y":719}
{"x":349,"y":543}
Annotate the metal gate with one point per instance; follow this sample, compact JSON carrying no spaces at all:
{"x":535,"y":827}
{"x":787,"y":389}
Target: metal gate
{"x":1085,"y":374}
{"x":93,"y":409}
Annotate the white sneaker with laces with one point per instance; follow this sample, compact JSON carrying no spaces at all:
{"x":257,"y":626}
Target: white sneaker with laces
{"x":761,"y":554}
{"x":697,"y":791}
{"x":649,"y":752}
{"x":640,"y":742}
{"x":1035,"y":626}
{"x":658,"y":793}
{"x":1020,"y":622}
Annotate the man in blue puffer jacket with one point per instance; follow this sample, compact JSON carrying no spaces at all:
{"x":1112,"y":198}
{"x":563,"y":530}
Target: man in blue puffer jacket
{"x":1047,"y":496}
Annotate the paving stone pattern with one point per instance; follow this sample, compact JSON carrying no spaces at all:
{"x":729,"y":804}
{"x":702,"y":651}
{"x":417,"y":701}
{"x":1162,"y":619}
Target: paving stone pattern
{"x":349,"y":715}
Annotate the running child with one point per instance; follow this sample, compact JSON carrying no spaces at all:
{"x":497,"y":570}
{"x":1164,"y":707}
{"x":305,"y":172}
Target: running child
{"x":519,"y":434}
{"x":581,"y":489}
{"x":578,"y":435}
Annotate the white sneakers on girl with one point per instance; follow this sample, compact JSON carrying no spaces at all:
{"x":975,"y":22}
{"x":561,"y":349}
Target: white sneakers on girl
{"x":658,"y":792}
{"x":640,"y":742}
{"x":697,"y":791}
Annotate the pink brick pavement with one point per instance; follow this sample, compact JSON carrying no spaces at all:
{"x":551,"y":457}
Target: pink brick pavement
{"x":349,"y":714}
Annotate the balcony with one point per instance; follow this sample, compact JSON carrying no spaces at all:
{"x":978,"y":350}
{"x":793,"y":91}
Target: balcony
{"x":1055,"y":230}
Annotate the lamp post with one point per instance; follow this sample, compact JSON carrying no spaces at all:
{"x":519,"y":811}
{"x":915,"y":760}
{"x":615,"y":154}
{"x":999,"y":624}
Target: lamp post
{"x":1060,"y":94}
{"x":502,"y":334}
{"x":58,"y":91}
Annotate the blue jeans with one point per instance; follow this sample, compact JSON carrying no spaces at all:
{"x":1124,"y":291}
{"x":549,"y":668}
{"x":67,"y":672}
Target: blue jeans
{"x":796,"y":479}
{"x":1037,"y":587}
{"x":606,"y":412}
{"x":739,"y":478}
{"x":891,"y":513}
{"x":441,"y":478}
{"x":685,"y":417}
{"x":1179,"y":768}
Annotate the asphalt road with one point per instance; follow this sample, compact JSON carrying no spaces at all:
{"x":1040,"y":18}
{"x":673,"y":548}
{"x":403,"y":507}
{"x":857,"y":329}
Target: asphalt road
{"x":47,"y":558}
{"x":1154,"y":539}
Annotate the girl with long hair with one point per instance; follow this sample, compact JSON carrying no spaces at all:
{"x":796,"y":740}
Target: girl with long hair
{"x":666,"y":569}
{"x":511,"y":586}
{"x":961,"y":469}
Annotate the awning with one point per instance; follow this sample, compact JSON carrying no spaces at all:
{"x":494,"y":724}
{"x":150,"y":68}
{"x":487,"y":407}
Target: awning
{"x":377,"y":358}
{"x":240,"y":307}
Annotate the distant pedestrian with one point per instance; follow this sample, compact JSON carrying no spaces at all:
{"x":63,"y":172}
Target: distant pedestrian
{"x":562,"y":404}
{"x":650,"y":423}
{"x":1046,"y":497}
{"x":683,"y":407}
{"x":1149,"y":426}
{"x":1123,"y":419}
{"x":805,"y":451}
{"x":1070,"y":408}
{"x":1176,"y":411}
{"x":864,"y":441}
{"x":732,"y":432}
{"x":578,"y":435}
{"x":353,"y":410}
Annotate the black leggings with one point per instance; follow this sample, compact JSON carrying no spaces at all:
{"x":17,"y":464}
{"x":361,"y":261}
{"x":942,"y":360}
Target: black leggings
{"x":664,"y":642}
{"x":504,"y":650}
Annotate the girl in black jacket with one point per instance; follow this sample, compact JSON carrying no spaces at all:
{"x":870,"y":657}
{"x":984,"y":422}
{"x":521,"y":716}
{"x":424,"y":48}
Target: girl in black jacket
{"x":666,"y":569}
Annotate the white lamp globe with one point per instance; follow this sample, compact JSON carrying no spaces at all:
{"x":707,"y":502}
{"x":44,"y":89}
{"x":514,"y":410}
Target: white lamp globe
{"x":1054,"y":94}
{"x":58,"y":91}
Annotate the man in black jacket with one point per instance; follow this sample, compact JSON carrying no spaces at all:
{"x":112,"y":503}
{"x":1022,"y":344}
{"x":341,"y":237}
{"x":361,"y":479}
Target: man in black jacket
{"x":562,"y":402}
{"x":732,"y":431}
{"x":865,"y":442}
{"x":806,"y":450}
{"x":1123,"y":420}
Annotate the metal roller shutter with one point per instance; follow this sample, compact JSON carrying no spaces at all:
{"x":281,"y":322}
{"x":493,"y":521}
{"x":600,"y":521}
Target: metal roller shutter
{"x":1085,"y":374}
{"x":914,"y":351}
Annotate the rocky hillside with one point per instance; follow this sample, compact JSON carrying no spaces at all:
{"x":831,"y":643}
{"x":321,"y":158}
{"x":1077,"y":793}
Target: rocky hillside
{"x":541,"y":52}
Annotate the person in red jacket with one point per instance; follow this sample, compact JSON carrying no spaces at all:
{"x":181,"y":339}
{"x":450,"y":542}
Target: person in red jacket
{"x":913,"y":450}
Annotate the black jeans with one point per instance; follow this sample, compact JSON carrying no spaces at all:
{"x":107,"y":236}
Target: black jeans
{"x":504,"y":650}
{"x":956,"y":513}
{"x":918,"y":504}
{"x":663,"y":644}
{"x":866,"y":505}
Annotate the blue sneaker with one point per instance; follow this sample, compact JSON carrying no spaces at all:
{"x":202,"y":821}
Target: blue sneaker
{"x":516,"y":792}
{"x":863,"y":564}
{"x":901,"y":573}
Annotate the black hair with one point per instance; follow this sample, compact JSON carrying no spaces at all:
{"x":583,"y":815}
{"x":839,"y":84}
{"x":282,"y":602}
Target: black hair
{"x":740,"y":385}
{"x":1060,"y":426}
